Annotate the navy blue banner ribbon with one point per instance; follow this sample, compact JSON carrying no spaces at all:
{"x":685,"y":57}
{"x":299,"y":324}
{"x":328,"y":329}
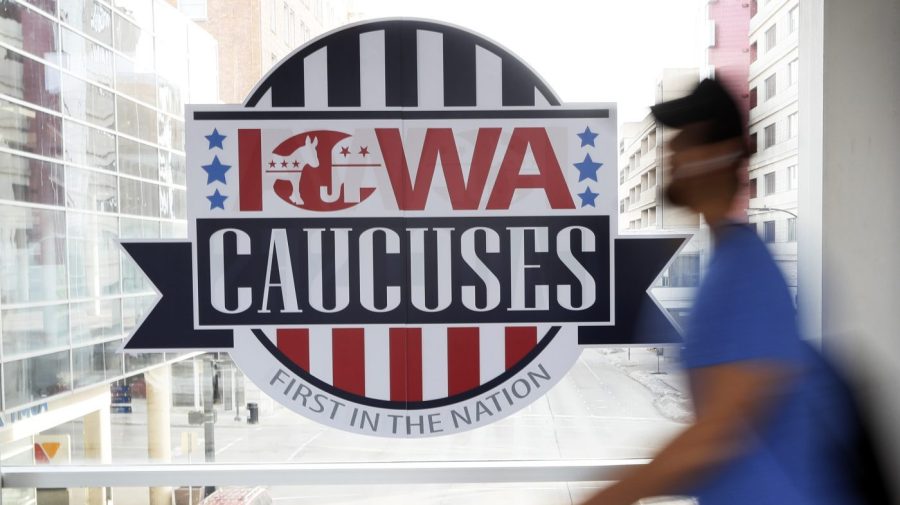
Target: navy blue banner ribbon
{"x":639,"y":320}
{"x":170,"y":323}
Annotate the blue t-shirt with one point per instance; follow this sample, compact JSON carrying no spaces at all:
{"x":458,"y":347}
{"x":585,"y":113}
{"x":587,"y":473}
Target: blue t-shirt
{"x":743,"y":312}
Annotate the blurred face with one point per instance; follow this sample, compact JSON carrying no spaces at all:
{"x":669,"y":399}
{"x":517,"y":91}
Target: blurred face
{"x":702,"y":174}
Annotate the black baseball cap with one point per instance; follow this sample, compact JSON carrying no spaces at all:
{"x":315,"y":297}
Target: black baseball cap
{"x":709,"y":101}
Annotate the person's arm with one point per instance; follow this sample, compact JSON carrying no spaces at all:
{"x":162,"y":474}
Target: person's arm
{"x":729,"y":398}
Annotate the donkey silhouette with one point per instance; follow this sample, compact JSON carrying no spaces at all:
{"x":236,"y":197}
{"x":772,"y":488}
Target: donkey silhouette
{"x":306,"y":155}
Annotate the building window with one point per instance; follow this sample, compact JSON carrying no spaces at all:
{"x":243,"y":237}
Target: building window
{"x":771,"y":86}
{"x":793,"y":19}
{"x":753,"y":98}
{"x":770,"y":38}
{"x":770,"y":135}
{"x":793,"y":125}
{"x":753,"y":52}
{"x":753,"y":143}
{"x":793,"y":72}
{"x":770,"y":183}
{"x":792,"y":229}
{"x":792,"y":177}
{"x":684,"y":272}
{"x":753,"y":8}
{"x":769,"y":232}
{"x":753,"y":188}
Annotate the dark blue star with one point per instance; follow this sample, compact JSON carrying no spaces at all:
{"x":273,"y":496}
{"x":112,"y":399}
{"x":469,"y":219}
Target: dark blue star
{"x":587,"y":137}
{"x":215,"y":171}
{"x":588,"y":197}
{"x":216,"y":200}
{"x":587,"y":169}
{"x":215,"y":139}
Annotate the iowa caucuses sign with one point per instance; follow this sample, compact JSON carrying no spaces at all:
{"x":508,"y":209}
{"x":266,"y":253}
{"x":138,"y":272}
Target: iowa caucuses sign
{"x":402,"y":232}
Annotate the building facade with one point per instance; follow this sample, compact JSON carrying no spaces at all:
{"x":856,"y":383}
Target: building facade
{"x":642,"y":205}
{"x":774,"y":127}
{"x":91,"y":151}
{"x":253,"y":35}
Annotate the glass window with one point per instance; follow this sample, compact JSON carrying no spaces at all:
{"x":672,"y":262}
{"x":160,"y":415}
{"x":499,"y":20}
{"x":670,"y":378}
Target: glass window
{"x":792,"y":177}
{"x":684,"y":272}
{"x":86,"y":58}
{"x":754,"y":143}
{"x":173,"y":229}
{"x":25,"y":29}
{"x":793,"y":19}
{"x":93,"y":255}
{"x":96,"y":319}
{"x":136,"y":120}
{"x":172,"y":203}
{"x":139,"y":361}
{"x":793,"y":72}
{"x":133,"y":310}
{"x":770,"y":183}
{"x":753,"y":187}
{"x":770,"y":38}
{"x":135,"y":80}
{"x":91,"y":190}
{"x":137,"y":159}
{"x":139,"y":198}
{"x":88,"y":102}
{"x":140,"y":11}
{"x":33,"y":248}
{"x":30,"y":80}
{"x":133,"y":279}
{"x":793,"y":125}
{"x":171,"y":132}
{"x":34,"y":329}
{"x":48,"y":6}
{"x":31,"y":379}
{"x":89,"y":16}
{"x":172,"y":168}
{"x":792,"y":229}
{"x":771,"y":86}
{"x":113,"y":359}
{"x":769,"y":232}
{"x":753,"y":97}
{"x":29,"y":130}
{"x":88,"y":365}
{"x":753,"y":52}
{"x":770,"y":135}
{"x":30,"y":180}
{"x":90,"y":146}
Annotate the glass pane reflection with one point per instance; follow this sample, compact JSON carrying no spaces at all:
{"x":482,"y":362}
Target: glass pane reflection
{"x":34,"y":329}
{"x":24,"y":28}
{"x":29,"y":130}
{"x":32,"y":245}
{"x":93,"y":255}
{"x":30,"y":180}
{"x":95,"y":320}
{"x":35,"y":378}
{"x":28,"y":79}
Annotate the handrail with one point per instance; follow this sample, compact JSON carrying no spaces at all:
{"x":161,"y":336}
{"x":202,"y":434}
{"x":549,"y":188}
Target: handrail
{"x":298,"y":474}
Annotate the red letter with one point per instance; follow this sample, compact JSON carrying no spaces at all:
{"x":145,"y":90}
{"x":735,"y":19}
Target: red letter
{"x":550,"y":177}
{"x":438,"y":142}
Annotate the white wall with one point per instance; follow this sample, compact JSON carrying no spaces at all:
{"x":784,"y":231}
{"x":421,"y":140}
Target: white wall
{"x":850,"y":190}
